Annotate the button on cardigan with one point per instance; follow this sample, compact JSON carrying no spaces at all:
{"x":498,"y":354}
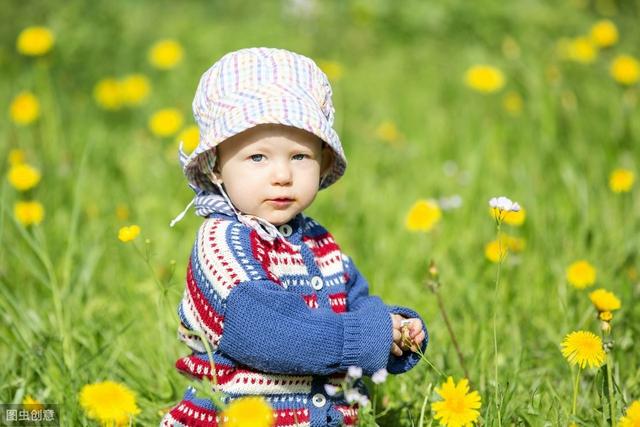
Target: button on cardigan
{"x":283,"y":319}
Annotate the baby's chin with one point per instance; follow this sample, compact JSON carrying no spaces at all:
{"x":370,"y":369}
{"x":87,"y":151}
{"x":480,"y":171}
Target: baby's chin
{"x":276,"y":217}
{"x":279,"y":220}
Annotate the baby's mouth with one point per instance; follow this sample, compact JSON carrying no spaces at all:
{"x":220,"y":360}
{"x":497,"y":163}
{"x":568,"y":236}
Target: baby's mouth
{"x":280,"y":202}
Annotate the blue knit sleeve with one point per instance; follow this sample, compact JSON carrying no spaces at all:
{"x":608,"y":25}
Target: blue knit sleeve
{"x":275,"y":331}
{"x":358,"y":288}
{"x":358,"y":298}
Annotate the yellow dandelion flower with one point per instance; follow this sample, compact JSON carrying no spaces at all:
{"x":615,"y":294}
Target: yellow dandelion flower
{"x":484,"y":78}
{"x":496,"y":250}
{"x":248,"y":411}
{"x":604,"y":33}
{"x":625,"y":69}
{"x":632,"y":417}
{"x":515,"y":217}
{"x":332,"y":69}
{"x":604,"y":300}
{"x":127,"y":234}
{"x":621,"y":180}
{"x":34,"y":41}
{"x":122,"y":212}
{"x":166,"y":122}
{"x":28,"y":213}
{"x":108,"y":94}
{"x":583,"y":348}
{"x":190,"y":137}
{"x":135,"y":89}
{"x":581,"y":50}
{"x":511,"y":217}
{"x":16,"y":156}
{"x":423,"y":216}
{"x":388,"y":132}
{"x":581,"y":274}
{"x":23,"y":177}
{"x":30,"y":404}
{"x":24,"y":108}
{"x":166,"y":54}
{"x":109,"y":403}
{"x":458,"y":407}
{"x":605,"y":316}
{"x":512,"y":103}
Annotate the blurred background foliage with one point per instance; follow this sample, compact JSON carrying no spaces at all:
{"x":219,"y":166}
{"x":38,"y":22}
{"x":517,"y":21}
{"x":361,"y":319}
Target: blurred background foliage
{"x":81,"y":306}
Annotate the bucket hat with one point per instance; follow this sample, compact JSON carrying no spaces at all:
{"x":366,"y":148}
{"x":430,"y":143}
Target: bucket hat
{"x":257,"y":86}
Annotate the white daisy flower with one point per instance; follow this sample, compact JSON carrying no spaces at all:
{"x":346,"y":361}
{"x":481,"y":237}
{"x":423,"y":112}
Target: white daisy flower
{"x":354,"y":372}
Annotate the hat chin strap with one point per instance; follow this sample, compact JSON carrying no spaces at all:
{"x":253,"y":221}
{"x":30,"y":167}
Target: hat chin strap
{"x":181,"y":215}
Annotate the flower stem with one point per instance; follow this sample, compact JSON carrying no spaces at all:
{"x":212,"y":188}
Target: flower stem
{"x":424,"y":406}
{"x":495,"y":313}
{"x":423,"y":357}
{"x":433,"y":283}
{"x":575,"y":394}
{"x":612,"y":399}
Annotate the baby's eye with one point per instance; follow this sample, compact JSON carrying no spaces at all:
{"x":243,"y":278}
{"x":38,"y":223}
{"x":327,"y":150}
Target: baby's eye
{"x":256,"y":157}
{"x":300,"y":156}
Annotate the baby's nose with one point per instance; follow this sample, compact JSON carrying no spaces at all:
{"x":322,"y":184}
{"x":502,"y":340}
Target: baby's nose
{"x":281,"y":174}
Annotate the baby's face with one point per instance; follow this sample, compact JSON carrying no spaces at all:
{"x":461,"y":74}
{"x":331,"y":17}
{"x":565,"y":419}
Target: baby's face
{"x":272,"y":171}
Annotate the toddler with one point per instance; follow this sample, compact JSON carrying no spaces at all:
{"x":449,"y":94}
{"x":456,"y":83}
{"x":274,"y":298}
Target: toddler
{"x":284,"y":310}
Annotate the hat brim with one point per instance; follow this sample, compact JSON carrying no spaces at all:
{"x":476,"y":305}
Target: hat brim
{"x":285,"y":111}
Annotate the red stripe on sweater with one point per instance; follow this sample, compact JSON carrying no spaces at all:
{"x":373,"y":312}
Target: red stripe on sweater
{"x":185,"y":413}
{"x":311,"y":300}
{"x":212,"y":319}
{"x":320,"y":248}
{"x":338,"y":302}
{"x":350,"y":414}
{"x":259,"y":249}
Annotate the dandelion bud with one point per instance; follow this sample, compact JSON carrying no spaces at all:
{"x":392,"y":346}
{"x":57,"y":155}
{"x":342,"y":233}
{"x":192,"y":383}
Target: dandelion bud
{"x":433,"y":270}
{"x":605,"y":316}
{"x":606,"y":327}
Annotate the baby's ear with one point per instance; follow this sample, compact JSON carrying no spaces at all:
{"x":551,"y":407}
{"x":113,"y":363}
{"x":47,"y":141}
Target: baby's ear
{"x":327,"y":159}
{"x":215,"y":176}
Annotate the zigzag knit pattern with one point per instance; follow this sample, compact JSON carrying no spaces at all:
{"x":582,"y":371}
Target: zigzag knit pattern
{"x":283,"y":319}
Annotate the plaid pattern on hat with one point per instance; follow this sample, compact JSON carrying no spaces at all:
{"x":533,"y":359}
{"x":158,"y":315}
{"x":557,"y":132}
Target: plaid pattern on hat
{"x":256,"y":86}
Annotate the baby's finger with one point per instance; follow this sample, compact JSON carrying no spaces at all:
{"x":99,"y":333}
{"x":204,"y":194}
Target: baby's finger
{"x":395,"y":319}
{"x":416,"y":327}
{"x":397,"y":336}
{"x":419,"y":338}
{"x":396,"y":350}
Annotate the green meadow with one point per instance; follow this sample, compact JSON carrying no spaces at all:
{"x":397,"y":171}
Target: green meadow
{"x":79,"y":306}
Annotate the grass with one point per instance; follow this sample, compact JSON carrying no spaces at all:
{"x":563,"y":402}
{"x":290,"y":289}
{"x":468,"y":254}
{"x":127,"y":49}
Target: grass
{"x":79,"y":306}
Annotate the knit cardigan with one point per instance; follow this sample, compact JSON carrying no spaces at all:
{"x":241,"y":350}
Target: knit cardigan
{"x":283,"y":319}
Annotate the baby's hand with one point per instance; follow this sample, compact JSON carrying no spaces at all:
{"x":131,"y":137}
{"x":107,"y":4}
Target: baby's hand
{"x":410,"y":339}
